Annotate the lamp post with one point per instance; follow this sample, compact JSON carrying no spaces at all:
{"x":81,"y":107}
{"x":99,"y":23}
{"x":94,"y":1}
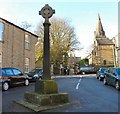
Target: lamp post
{"x":46,"y":13}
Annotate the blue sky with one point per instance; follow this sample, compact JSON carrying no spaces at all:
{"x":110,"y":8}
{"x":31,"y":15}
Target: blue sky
{"x":82,"y":15}
{"x":1,"y":30}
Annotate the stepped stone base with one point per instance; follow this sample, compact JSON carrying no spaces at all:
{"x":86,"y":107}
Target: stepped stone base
{"x":45,"y":97}
{"x":38,"y":108}
{"x":38,"y":102}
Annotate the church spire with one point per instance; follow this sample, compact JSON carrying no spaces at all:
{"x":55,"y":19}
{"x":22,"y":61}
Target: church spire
{"x":99,"y":29}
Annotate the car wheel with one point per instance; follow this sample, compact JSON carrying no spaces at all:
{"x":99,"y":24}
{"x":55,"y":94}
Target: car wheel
{"x":97,"y":77}
{"x":100,"y":78}
{"x":117,"y":86}
{"x":40,"y":78}
{"x":5,"y":86}
{"x":26,"y":82}
{"x":105,"y":81}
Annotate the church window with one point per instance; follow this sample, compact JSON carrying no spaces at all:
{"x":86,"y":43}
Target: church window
{"x":104,"y":62}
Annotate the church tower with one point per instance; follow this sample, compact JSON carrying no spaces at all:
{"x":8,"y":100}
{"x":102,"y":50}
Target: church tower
{"x":103,"y":51}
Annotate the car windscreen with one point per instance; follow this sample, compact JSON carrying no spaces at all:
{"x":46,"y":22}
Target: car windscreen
{"x":7,"y":72}
{"x":103,"y":70}
{"x":87,"y":68}
{"x":34,"y":71}
{"x":3,"y":72}
{"x":118,"y":71}
{"x":83,"y":68}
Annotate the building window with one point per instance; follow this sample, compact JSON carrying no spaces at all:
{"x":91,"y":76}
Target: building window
{"x":27,"y":64}
{"x":27,"y":41}
{"x":1,"y":31}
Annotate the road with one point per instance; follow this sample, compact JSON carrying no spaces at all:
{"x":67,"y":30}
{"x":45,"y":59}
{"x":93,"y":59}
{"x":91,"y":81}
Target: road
{"x":86,"y":94}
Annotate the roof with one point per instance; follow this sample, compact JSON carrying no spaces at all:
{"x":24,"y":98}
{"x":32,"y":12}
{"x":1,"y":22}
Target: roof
{"x":99,"y":29}
{"x":104,"y":41}
{"x":19,"y":27}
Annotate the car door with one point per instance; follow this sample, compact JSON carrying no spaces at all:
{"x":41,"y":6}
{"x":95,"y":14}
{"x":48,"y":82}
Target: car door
{"x":19,"y":75}
{"x":10,"y":75}
{"x":110,"y":76}
{"x":113,"y":76}
{"x":107,"y":75}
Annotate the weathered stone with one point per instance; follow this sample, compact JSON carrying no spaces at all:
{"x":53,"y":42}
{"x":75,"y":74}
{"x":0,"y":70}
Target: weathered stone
{"x":46,"y":87}
{"x":46,"y":99}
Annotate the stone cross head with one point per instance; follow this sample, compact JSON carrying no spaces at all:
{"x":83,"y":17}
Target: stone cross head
{"x":46,"y":12}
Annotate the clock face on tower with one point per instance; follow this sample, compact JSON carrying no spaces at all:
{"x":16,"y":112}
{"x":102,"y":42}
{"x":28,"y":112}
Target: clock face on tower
{"x":47,"y":11}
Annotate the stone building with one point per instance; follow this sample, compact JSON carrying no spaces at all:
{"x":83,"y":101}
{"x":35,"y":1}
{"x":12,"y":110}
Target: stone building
{"x":73,"y":61}
{"x":116,"y":40}
{"x":118,"y":50}
{"x":117,"y":59}
{"x":103,"y":53}
{"x":17,"y":46}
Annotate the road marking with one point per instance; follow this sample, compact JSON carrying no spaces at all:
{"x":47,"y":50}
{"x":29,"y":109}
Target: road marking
{"x":77,"y":87}
{"x":79,"y":79}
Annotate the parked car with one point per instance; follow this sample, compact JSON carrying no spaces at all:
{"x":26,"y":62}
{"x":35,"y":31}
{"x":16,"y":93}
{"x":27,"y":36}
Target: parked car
{"x":112,"y":77}
{"x":12,"y":76}
{"x":87,"y":70}
{"x":100,"y":73}
{"x":35,"y":74}
{"x":0,"y":79}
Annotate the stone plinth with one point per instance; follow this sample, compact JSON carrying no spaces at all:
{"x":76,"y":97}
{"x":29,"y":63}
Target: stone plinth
{"x":46,"y":99}
{"x":46,"y":87}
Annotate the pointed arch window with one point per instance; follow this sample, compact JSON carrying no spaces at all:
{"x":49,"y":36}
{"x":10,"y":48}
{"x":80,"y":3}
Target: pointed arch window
{"x":104,"y":62}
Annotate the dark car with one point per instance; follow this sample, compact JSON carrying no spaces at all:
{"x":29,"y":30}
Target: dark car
{"x":87,"y":70}
{"x":11,"y":77}
{"x":0,"y":82}
{"x":35,"y":74}
{"x":112,"y":77}
{"x":100,"y":73}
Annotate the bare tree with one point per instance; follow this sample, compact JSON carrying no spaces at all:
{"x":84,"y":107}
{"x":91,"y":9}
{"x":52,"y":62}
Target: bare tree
{"x":25,"y":25}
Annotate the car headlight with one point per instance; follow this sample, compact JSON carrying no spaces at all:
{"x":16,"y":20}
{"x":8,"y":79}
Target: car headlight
{"x":36,"y":75}
{"x":102,"y":75}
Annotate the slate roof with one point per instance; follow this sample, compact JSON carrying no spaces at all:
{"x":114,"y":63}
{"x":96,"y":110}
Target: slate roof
{"x":104,"y":41}
{"x":19,"y":27}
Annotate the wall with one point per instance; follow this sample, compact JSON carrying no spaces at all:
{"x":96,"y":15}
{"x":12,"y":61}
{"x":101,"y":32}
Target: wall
{"x":14,"y":52}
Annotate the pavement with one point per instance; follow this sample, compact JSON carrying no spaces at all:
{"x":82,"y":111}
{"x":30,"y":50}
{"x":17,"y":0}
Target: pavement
{"x":70,"y":76}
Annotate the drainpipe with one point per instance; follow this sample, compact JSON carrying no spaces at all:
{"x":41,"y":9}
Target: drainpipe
{"x":114,"y":55}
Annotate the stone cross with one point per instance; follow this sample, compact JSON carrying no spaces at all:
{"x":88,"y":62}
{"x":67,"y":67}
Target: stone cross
{"x":46,"y":13}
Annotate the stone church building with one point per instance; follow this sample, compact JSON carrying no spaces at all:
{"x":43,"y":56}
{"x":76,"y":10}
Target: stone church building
{"x":103,"y":52}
